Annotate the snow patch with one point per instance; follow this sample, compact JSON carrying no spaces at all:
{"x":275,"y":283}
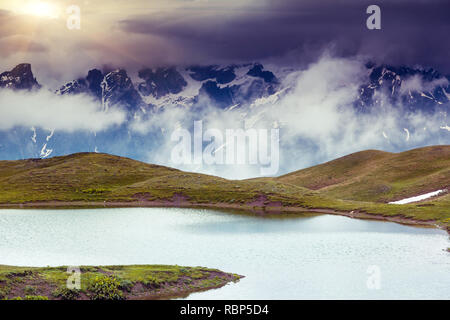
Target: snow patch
{"x":45,"y":153}
{"x":52,"y":131}
{"x":407,"y":134}
{"x":33,"y":138}
{"x":420,"y":197}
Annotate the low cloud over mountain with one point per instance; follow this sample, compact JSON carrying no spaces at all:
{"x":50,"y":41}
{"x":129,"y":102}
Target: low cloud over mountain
{"x":45,"y":110}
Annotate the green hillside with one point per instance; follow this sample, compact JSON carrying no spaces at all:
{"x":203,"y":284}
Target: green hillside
{"x":358,"y":184}
{"x":103,"y":177}
{"x":378,"y":176}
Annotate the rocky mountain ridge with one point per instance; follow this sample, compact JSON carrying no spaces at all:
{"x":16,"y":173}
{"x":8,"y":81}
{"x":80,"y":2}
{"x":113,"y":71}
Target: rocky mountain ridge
{"x":245,"y":87}
{"x":416,"y":89}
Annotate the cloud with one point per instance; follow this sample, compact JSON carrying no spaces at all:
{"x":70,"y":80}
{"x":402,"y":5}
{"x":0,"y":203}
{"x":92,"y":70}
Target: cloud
{"x":319,"y":122}
{"x":416,"y":83}
{"x":44,"y":109}
{"x":18,"y":43}
{"x":316,"y":118}
{"x":266,"y":29}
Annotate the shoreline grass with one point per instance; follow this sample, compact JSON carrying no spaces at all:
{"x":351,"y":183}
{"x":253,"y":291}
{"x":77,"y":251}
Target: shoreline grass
{"x":110,"y":282}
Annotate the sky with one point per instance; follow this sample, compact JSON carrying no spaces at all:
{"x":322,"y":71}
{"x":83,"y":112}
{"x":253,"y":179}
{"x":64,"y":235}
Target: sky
{"x":133,"y":34}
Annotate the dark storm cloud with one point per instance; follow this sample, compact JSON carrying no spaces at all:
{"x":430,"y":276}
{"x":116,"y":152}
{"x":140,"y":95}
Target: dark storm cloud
{"x":222,"y":31}
{"x":413,"y":32}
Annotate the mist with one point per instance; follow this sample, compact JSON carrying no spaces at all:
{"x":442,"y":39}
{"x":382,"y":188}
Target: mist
{"x":46,"y":110}
{"x":316,"y":118}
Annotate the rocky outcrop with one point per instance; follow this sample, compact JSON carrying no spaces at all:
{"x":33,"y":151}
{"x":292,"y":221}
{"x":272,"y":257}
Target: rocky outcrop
{"x":19,"y":78}
{"x":161,"y":82}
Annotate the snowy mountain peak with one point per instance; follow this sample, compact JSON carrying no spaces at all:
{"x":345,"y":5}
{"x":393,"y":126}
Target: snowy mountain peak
{"x":161,"y":82}
{"x":19,"y":78}
{"x":413,"y":88}
{"x":118,"y":89}
{"x":88,"y":85}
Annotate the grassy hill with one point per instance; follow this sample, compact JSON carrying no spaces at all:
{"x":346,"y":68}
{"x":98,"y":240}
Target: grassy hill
{"x":378,"y":176}
{"x":358,"y":183}
{"x":103,"y":177}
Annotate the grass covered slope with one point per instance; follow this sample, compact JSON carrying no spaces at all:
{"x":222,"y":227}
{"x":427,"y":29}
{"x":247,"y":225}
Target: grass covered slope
{"x":109,"y":282}
{"x":357,"y":185}
{"x":378,"y":176}
{"x":103,"y":177}
{"x":75,"y":177}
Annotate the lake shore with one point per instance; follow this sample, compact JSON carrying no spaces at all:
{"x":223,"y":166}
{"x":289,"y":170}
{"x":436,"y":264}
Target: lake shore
{"x":258,"y":207}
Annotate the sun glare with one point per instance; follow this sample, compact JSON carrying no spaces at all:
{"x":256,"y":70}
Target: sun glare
{"x":42,"y":9}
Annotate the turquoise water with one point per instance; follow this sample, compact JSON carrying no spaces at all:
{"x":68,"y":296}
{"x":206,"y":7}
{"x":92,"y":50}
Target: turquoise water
{"x":319,"y":257}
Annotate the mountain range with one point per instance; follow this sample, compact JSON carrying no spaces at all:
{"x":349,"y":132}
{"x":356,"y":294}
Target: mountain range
{"x":171,"y":86}
{"x":235,"y":86}
{"x":232,"y":87}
